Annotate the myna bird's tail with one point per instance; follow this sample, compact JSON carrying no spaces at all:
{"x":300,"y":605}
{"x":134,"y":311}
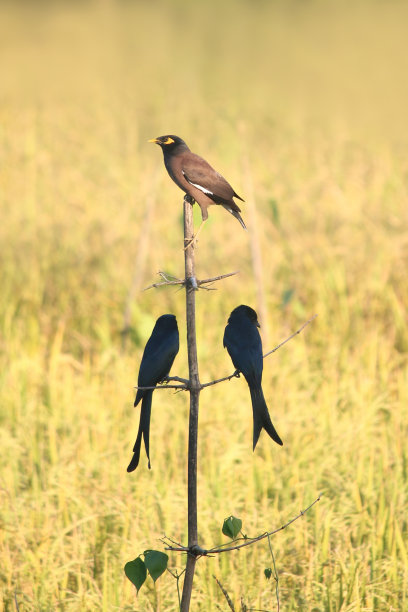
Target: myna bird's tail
{"x":236,"y":214}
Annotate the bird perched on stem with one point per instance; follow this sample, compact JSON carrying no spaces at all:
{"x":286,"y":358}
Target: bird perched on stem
{"x":244,"y":345}
{"x":158,"y":356}
{"x":197,"y":178}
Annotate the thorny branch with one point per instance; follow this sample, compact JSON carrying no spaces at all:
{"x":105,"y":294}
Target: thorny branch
{"x":197,"y":551}
{"x":236,"y":374}
{"x":206,"y":281}
{"x":185,"y":386}
{"x":172,"y":280}
{"x":160,"y":386}
{"x":292,"y":336}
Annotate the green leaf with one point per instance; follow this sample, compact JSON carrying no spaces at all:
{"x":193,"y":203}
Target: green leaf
{"x":156,"y":562}
{"x":268,"y":572}
{"x":136,"y":572}
{"x":231,"y":527}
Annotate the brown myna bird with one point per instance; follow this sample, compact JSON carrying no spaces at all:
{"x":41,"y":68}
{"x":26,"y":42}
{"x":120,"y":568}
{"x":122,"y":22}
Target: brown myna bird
{"x":197,"y":178}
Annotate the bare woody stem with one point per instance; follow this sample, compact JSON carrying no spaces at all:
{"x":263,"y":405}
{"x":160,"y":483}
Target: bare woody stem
{"x":194,"y":388}
{"x":193,"y":385}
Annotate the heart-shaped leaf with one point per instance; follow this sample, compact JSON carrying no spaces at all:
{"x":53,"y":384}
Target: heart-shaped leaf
{"x":231,"y":527}
{"x":156,"y":562}
{"x":136,"y":572}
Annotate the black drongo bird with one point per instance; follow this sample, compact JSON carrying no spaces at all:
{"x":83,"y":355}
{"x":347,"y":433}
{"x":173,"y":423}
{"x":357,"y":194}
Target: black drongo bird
{"x":244,"y":345}
{"x":196,"y":177}
{"x":158,"y":356}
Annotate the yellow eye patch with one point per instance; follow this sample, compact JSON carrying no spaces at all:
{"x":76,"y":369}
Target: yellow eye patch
{"x":162,"y":140}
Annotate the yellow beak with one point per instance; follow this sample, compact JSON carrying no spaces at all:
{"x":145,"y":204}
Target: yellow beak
{"x":153,"y":140}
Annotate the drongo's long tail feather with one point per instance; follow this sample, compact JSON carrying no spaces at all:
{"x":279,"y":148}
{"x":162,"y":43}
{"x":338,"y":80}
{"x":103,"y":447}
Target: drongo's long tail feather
{"x":262,"y":420}
{"x":145,"y":422}
{"x":144,"y":430}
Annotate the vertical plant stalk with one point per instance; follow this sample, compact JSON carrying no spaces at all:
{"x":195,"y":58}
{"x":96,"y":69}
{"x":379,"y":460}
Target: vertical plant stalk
{"x":254,"y":237}
{"x":191,"y":287}
{"x":256,"y":254}
{"x":140,"y":259}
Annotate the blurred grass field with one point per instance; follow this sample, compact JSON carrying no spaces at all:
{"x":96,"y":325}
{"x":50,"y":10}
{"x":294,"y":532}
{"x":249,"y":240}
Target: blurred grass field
{"x":302,"y":106}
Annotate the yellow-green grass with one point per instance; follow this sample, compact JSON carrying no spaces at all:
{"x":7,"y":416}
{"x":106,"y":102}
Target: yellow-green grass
{"x":303,"y":108}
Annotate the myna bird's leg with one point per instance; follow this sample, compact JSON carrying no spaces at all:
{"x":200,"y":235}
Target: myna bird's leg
{"x":194,"y":238}
{"x":204,"y":215}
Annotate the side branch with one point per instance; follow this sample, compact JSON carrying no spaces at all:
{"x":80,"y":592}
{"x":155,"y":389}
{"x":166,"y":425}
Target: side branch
{"x":209,"y":281}
{"x":197,"y":284}
{"x":167,"y":280}
{"x":250,"y":541}
{"x":185,"y":386}
{"x":177,"y":378}
{"x":292,"y":336}
{"x":158,"y":387}
{"x":202,"y":552}
{"x":237,"y":372}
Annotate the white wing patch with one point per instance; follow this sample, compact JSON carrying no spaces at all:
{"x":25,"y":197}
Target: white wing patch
{"x":200,"y":187}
